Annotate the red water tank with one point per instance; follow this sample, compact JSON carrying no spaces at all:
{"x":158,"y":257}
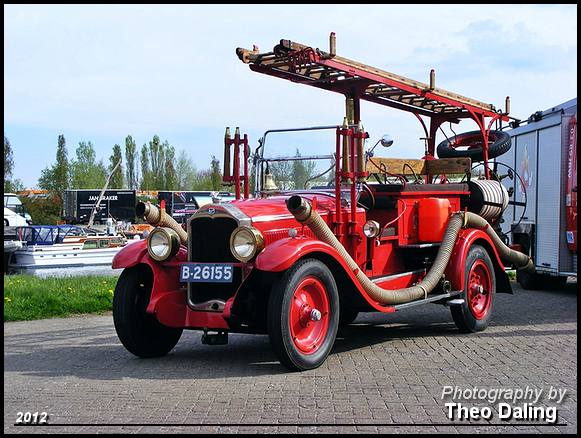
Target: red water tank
{"x":433,"y":216}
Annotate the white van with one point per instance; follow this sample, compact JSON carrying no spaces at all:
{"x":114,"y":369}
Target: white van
{"x":12,"y":202}
{"x":13,"y":219}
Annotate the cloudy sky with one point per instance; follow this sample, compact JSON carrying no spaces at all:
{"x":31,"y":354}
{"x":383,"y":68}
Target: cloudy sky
{"x":99,"y":73}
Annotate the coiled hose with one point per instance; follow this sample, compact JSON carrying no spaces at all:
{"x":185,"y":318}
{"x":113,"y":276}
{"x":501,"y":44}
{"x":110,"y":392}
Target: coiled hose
{"x":302,"y":210}
{"x":157,"y":217}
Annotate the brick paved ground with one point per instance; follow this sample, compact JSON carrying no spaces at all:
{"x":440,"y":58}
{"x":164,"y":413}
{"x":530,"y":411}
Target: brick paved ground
{"x":385,"y":374}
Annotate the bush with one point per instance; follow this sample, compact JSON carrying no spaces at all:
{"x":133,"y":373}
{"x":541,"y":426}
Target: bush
{"x":44,"y":210}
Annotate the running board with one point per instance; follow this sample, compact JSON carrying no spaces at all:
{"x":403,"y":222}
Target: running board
{"x":432,"y":299}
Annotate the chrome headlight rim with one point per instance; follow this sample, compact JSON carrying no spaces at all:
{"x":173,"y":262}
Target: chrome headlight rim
{"x":163,"y":243}
{"x":253,"y":243}
{"x":371,"y":229}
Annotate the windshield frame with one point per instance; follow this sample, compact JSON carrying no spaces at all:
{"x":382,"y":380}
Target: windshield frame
{"x":259,"y":160}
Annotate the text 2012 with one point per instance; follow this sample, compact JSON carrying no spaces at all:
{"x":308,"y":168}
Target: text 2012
{"x":31,"y":418}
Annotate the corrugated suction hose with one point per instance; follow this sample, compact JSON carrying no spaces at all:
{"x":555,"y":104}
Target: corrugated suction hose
{"x":522,"y":261}
{"x":302,"y":210}
{"x":156,"y":217}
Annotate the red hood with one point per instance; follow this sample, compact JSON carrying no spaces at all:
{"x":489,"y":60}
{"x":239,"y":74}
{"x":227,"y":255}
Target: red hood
{"x":263,"y":211}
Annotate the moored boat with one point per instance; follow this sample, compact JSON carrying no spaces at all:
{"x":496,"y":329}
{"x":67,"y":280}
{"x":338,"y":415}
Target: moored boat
{"x":45,"y":246}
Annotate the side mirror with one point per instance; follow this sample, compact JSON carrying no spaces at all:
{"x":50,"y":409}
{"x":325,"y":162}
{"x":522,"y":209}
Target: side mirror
{"x":386,"y":141}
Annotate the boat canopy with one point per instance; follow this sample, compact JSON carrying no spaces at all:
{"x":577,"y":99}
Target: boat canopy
{"x":47,"y":234}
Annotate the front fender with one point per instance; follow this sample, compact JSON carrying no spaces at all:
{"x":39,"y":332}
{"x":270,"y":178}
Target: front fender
{"x":281,"y":254}
{"x":130,"y":255}
{"x":168,"y":295}
{"x":455,"y":270}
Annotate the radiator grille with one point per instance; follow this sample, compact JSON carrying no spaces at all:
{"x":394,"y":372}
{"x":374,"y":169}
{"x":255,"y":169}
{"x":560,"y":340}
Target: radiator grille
{"x":209,"y":242}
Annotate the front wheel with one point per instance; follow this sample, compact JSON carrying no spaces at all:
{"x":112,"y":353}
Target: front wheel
{"x":140,"y":332}
{"x":475,"y":313}
{"x":303,"y":315}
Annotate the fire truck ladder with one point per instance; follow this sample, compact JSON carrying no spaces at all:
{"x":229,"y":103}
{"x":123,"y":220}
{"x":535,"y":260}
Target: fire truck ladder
{"x":305,"y":65}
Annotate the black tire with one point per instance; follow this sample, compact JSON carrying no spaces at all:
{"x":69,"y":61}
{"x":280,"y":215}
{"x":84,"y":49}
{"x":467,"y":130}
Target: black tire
{"x":475,"y":314}
{"x":498,"y":144}
{"x":140,"y":332}
{"x":301,"y":343}
{"x":530,"y":280}
{"x":536,"y":281}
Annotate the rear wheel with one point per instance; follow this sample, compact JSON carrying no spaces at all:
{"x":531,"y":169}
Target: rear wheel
{"x":475,"y":313}
{"x":303,"y":315}
{"x":140,"y":332}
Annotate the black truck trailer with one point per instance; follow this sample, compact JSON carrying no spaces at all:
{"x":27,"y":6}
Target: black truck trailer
{"x":182,"y":204}
{"x":78,"y":205}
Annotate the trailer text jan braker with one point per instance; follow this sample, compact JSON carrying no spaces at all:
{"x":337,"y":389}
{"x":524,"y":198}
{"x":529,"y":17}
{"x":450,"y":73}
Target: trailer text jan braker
{"x":78,"y":205}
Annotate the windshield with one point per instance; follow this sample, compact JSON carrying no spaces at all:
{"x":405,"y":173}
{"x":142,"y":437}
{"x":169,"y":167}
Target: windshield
{"x":296,"y":159}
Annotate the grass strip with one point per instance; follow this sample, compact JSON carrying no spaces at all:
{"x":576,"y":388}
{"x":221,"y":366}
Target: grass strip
{"x":28,"y":298}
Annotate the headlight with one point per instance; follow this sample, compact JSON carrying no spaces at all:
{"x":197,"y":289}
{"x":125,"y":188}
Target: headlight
{"x":371,"y":229}
{"x":163,"y":243}
{"x":246,"y":242}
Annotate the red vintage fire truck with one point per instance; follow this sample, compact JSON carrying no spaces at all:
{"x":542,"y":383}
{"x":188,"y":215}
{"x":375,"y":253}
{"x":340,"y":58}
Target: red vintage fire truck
{"x":296,"y":258}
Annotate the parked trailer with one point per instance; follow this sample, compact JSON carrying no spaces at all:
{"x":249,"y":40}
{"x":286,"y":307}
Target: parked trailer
{"x":181,"y":204}
{"x":543,"y":222}
{"x":78,"y":205}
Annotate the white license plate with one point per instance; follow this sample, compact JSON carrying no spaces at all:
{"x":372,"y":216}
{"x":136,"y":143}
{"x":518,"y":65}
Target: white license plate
{"x":207,"y":272}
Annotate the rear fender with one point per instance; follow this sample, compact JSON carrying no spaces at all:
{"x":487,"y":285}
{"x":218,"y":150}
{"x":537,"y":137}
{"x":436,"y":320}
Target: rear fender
{"x":281,"y":254}
{"x":455,"y":270}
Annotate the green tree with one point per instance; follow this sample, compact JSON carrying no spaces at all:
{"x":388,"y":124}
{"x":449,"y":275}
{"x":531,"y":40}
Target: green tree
{"x":282,"y":174}
{"x":147,"y":180}
{"x":131,"y":163}
{"x":158,"y":166}
{"x":8,"y":165}
{"x":169,"y":168}
{"x":216,"y":174}
{"x":56,"y":178}
{"x":301,"y":171}
{"x":62,"y":170}
{"x":17,"y":185}
{"x":156,"y":160}
{"x":202,"y":180}
{"x":87,"y":172}
{"x":185,"y":172}
{"x":117,"y":180}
